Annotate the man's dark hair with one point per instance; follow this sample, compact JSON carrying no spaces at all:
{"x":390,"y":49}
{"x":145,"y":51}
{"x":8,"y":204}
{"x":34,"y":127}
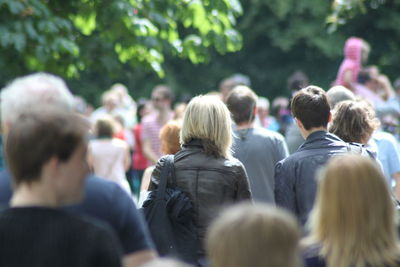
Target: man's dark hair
{"x":104,"y":127}
{"x":364,"y":76}
{"x":38,"y":136}
{"x":297,"y":80}
{"x":241,"y":102}
{"x":165,"y":91}
{"x":310,"y":106}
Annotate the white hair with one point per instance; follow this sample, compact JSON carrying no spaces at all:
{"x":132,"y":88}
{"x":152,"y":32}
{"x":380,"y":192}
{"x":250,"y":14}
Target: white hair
{"x":33,"y":91}
{"x":263,"y":102}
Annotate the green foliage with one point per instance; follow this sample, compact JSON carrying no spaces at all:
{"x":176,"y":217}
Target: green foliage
{"x":343,"y":10}
{"x":77,"y":37}
{"x":94,"y":43}
{"x":280,"y":37}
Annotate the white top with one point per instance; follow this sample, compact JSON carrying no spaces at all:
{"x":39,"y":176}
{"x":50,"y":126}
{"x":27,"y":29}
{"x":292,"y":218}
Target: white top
{"x":107,"y":157}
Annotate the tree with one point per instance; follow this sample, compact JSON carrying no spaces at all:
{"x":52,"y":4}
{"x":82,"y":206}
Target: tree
{"x":71,"y":37}
{"x":280,"y":37}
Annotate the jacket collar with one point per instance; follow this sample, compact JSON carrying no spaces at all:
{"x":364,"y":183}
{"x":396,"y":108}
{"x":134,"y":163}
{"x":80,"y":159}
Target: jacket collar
{"x":321,"y":139}
{"x":194,"y":142}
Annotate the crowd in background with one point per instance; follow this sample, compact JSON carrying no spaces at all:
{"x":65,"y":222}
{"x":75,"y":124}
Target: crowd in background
{"x":321,"y":169}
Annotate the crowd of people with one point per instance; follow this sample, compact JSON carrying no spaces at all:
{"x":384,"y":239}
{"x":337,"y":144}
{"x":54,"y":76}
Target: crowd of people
{"x":311,"y":180}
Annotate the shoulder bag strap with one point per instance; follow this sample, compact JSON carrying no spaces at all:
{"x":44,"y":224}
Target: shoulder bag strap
{"x":173,"y":177}
{"x":165,"y":171}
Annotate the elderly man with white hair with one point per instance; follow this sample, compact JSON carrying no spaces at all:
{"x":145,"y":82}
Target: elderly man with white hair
{"x":103,"y":200}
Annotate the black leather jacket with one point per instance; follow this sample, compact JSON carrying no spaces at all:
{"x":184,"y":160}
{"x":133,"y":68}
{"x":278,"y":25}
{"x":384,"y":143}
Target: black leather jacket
{"x":211,"y":183}
{"x":295,"y":181}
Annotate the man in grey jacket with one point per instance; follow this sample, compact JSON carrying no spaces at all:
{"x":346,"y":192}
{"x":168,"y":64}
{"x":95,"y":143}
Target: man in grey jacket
{"x":257,"y":148}
{"x":295,"y":183}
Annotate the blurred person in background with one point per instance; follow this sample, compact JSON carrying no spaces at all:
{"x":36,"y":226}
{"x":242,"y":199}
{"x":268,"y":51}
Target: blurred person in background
{"x":353,"y":220}
{"x":161,"y":98}
{"x":263,"y":118}
{"x":256,"y":235}
{"x":356,"y":52}
{"x":369,"y":87}
{"x":126,"y":104}
{"x":227,"y":84}
{"x":109,"y":157}
{"x":139,"y":161}
{"x":297,"y":81}
{"x":109,"y":106}
{"x":169,"y":137}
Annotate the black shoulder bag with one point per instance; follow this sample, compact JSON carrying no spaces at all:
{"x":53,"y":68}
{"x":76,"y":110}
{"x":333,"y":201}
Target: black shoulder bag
{"x":169,"y":215}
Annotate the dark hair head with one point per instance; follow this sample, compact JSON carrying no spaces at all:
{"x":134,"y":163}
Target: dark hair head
{"x":36,"y":137}
{"x":164,"y":91}
{"x":297,"y":80}
{"x":364,"y":76}
{"x":104,"y":127}
{"x":241,"y":102}
{"x":310,"y":106}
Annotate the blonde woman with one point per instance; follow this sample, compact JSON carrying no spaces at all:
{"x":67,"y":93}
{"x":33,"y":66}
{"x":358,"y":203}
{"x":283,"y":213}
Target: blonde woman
{"x":204,"y":167}
{"x":256,"y":235}
{"x":352,"y":223}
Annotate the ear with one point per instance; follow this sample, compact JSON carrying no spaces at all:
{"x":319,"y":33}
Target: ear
{"x":299,"y":123}
{"x":51,"y":168}
{"x":330,"y":117}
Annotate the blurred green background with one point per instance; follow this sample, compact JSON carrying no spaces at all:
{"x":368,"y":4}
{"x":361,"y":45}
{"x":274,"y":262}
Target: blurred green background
{"x":191,"y":45}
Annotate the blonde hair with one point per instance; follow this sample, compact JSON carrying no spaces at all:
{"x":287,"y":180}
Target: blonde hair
{"x":353,"y":217}
{"x":207,"y":118}
{"x":254,"y":235}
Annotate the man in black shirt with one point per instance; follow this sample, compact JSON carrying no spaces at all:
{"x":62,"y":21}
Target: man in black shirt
{"x":103,"y":199}
{"x":51,"y":173}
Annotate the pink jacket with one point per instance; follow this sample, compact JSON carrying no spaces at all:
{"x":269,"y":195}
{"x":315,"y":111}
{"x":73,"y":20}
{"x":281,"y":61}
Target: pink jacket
{"x":352,"y":59}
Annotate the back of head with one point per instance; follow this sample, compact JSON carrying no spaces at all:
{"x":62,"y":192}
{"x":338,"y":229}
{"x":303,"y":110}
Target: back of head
{"x":104,"y":127}
{"x":35,"y":90}
{"x":364,"y":77}
{"x":169,"y":136}
{"x":310,"y":106}
{"x":297,"y":81}
{"x":353,"y":216}
{"x":38,"y":135}
{"x":253,"y":235}
{"x":164,"y":91}
{"x":353,"y":121}
{"x":207,"y":118}
{"x":338,"y":94}
{"x":241,"y":102}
